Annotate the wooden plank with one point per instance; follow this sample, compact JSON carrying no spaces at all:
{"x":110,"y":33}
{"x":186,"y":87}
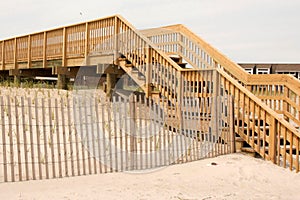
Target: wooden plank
{"x":18,"y":138}
{"x":36,"y":108}
{"x":297,"y":154}
{"x":70,"y":136}
{"x":45,"y":50}
{"x":115,"y":132}
{"x":51,"y":140}
{"x":108,"y":112}
{"x":56,"y":116}
{"x":146,"y":136}
{"x":5,"y":170}
{"x":103,"y":104}
{"x":96,"y":102}
{"x":80,"y":121}
{"x":75,"y":101}
{"x":45,"y":138}
{"x":93,"y":122}
{"x":29,"y":101}
{"x":64,"y":134}
{"x":86,"y":133}
{"x":141,"y":136}
{"x":24,"y":128}
{"x":29,"y":52}
{"x":291,"y":151}
{"x":10,"y":134}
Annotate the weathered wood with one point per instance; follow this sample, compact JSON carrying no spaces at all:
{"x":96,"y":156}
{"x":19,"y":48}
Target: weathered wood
{"x":64,"y":134}
{"x":75,"y":102}
{"x":36,"y":108}
{"x":44,"y":128}
{"x":4,"y":139}
{"x":51,"y":139}
{"x":29,"y":101}
{"x":25,"y":138}
{"x":18,"y":139}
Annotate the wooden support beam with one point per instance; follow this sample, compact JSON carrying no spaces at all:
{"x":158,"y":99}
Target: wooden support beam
{"x":109,"y":69}
{"x":70,"y":72}
{"x":30,"y":72}
{"x":111,"y":81}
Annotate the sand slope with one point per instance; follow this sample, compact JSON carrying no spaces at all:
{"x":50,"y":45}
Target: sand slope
{"x":235,"y":176}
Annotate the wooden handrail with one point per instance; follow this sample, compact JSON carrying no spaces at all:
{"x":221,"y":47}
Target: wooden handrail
{"x":191,"y":47}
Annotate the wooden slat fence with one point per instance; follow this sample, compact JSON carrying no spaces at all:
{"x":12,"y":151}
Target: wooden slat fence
{"x":83,"y":133}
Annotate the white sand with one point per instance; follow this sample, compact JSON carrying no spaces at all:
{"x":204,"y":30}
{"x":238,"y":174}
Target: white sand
{"x":235,"y":176}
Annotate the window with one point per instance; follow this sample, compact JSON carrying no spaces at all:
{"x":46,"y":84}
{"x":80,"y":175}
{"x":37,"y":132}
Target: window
{"x":263,"y":71}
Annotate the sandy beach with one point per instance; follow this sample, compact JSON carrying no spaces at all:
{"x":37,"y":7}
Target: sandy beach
{"x":234,"y":176}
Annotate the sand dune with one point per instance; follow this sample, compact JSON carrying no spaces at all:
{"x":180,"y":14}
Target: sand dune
{"x":234,"y":176}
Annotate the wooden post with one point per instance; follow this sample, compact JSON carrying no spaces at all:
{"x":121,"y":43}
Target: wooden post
{"x":148,"y":71}
{"x":3,"y":139}
{"x":111,"y":80}
{"x":29,"y":52}
{"x":285,"y":104}
{"x":86,"y":43}
{"x":3,"y":55}
{"x":231,"y":124}
{"x":116,"y":37}
{"x":17,"y":81}
{"x":215,"y":107}
{"x":61,"y":81}
{"x":15,"y":54}
{"x":272,"y":140}
{"x":45,"y":50}
{"x":64,"y":48}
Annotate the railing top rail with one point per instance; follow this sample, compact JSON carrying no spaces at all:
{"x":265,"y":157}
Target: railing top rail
{"x":248,"y":79}
{"x":59,"y":28}
{"x":235,"y":69}
{"x":152,"y":45}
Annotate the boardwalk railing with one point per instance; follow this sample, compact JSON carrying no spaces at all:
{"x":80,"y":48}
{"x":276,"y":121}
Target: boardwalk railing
{"x":83,"y":133}
{"x":280,"y":92}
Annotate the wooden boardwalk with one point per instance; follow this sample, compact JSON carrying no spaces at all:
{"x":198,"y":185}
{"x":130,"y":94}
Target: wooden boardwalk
{"x":170,"y":65}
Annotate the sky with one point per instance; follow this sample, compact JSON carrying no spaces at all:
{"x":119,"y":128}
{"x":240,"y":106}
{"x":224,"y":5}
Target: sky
{"x":246,"y":31}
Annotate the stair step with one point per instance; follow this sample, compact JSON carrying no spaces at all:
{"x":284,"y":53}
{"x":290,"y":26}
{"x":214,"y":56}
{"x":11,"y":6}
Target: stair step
{"x":248,"y":149}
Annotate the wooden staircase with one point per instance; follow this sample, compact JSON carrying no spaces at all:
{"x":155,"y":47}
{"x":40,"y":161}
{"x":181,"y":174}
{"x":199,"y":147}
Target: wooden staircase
{"x":145,"y":57}
{"x":259,"y":129}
